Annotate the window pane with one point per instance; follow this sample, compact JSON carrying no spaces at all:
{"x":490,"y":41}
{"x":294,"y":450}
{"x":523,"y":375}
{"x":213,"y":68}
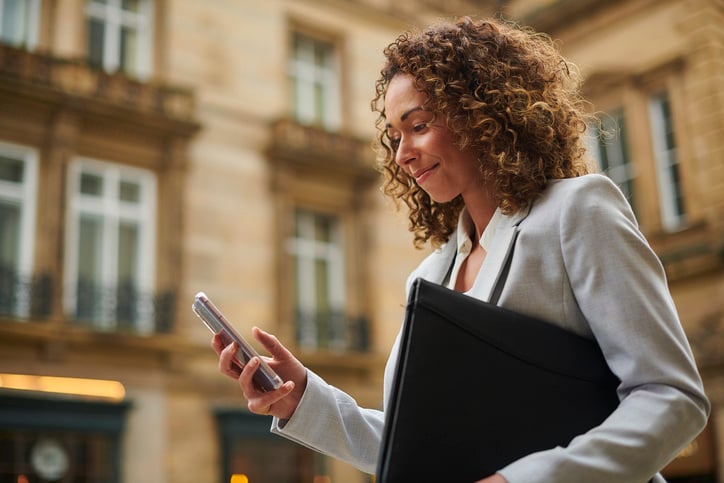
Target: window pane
{"x":14,"y":21}
{"x":672,"y":203}
{"x":321,"y":277}
{"x":323,"y":228}
{"x":17,"y":210}
{"x":96,"y":34}
{"x":127,"y":290}
{"x":90,"y":241}
{"x":85,"y":457}
{"x":271,"y":460}
{"x":319,"y":280}
{"x":114,"y":292}
{"x":128,"y":246}
{"x":314,"y":81}
{"x":129,"y":50}
{"x":130,"y":191}
{"x":613,"y":154}
{"x":131,"y":5}
{"x":90,"y":292}
{"x":11,"y":169}
{"x":91,"y":184}
{"x":9,"y":234}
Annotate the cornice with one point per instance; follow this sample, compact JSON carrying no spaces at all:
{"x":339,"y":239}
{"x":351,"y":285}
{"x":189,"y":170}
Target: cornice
{"x":73,"y":84}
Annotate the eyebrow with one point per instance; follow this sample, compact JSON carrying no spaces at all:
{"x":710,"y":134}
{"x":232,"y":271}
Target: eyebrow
{"x":406,"y":114}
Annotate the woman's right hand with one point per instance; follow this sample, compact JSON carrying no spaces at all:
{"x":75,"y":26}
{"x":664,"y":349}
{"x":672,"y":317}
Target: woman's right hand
{"x":281,"y":402}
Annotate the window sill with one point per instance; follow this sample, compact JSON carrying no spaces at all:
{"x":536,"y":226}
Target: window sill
{"x":56,"y":340}
{"x":343,"y":363}
{"x":690,"y":251}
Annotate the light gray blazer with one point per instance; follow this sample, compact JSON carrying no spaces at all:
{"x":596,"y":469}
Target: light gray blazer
{"x":580,"y":262}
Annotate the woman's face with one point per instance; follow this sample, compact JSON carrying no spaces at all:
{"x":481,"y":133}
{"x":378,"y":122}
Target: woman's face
{"x":425,"y":147}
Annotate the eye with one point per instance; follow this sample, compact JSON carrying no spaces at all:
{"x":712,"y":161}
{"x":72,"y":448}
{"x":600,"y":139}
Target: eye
{"x":393,"y":138}
{"x":419,"y":127}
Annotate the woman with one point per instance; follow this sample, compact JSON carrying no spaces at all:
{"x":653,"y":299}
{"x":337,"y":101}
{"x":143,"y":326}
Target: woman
{"x":481,"y":134}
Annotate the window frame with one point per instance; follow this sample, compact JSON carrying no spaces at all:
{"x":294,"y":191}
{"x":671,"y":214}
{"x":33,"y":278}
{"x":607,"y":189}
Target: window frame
{"x":305,"y":251}
{"x":305,"y":76}
{"x":236,"y":426}
{"x":114,"y":19}
{"x":624,"y":171}
{"x":27,"y":417}
{"x":31,"y":27}
{"x":26,"y":196}
{"x":77,"y":206}
{"x":671,"y":196}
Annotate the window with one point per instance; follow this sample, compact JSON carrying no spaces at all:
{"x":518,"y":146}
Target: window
{"x":319,"y":277}
{"x":314,"y":82}
{"x":249,"y":448}
{"x":612,"y":153}
{"x":671,"y":199}
{"x":19,"y":22}
{"x":110,"y":245}
{"x":60,"y":440}
{"x":119,"y":36}
{"x":18,"y":180}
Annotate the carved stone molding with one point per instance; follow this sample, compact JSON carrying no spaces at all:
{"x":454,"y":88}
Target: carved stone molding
{"x":48,"y":77}
{"x":312,"y":150}
{"x":707,"y":340}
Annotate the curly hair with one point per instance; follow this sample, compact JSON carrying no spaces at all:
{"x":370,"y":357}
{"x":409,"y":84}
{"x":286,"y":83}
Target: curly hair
{"x":505,"y":92}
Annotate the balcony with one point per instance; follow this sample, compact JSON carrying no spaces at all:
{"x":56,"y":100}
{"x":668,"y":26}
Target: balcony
{"x":48,"y":79}
{"x":24,"y":297}
{"x":313,"y":151}
{"x":120,"y":309}
{"x":332,"y":331}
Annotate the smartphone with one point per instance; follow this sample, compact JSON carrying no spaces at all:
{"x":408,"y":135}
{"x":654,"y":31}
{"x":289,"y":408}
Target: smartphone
{"x":264,"y":377}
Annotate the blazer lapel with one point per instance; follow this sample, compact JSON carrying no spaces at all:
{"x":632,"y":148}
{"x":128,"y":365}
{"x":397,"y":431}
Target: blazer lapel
{"x":500,"y":246}
{"x":440,"y":269}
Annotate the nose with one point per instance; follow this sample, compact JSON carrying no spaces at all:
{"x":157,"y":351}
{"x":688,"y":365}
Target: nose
{"x":405,"y":152}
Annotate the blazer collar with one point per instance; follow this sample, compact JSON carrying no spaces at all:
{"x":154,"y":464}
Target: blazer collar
{"x":500,"y":246}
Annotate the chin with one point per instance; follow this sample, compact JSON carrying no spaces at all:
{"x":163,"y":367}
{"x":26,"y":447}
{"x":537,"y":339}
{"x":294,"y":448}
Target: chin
{"x":441,"y":199}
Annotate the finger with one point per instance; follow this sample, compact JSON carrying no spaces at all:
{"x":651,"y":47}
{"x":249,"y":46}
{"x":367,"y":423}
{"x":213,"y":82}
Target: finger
{"x":265,"y":403}
{"x":271,"y":344}
{"x":246,"y":378}
{"x":217,"y":344}
{"x":227,"y":361}
{"x":250,"y":388}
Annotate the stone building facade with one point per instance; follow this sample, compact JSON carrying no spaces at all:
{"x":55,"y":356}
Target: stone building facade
{"x":150,"y":149}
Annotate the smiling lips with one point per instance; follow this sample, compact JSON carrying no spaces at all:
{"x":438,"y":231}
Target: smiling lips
{"x":421,"y":174}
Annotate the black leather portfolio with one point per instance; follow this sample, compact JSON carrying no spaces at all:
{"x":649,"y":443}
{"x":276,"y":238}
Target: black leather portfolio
{"x":478,"y":386}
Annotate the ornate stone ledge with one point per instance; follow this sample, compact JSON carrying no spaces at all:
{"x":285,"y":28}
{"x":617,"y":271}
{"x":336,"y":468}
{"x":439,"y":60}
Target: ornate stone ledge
{"x":75,"y":78}
{"x":312,"y":149}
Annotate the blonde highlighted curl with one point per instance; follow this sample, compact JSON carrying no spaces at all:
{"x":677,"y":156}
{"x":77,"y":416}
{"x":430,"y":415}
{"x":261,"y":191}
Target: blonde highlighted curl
{"x":505,"y":92}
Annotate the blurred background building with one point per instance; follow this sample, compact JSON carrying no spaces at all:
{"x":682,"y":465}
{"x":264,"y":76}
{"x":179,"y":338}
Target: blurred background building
{"x":150,"y":149}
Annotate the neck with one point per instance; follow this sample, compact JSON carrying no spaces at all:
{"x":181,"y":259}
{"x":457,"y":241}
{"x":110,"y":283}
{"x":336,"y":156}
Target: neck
{"x":481,"y":209}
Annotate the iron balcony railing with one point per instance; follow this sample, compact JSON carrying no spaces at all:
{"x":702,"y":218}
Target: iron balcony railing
{"x":24,"y":296}
{"x":120,"y":308}
{"x":332,"y":330}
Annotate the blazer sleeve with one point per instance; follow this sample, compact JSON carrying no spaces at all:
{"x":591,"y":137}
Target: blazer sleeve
{"x":621,"y":289}
{"x":330,"y":421}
